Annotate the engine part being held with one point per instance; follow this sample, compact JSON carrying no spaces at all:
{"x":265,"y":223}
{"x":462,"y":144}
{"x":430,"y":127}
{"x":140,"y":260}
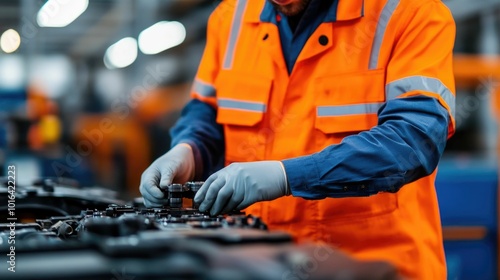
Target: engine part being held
{"x":129,"y":241}
{"x":182,"y":195}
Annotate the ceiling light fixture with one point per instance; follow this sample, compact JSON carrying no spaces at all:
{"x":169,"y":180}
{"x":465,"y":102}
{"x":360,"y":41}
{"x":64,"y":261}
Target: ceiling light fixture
{"x":10,"y":41}
{"x":161,"y":36}
{"x":121,"y":54}
{"x":60,"y":13}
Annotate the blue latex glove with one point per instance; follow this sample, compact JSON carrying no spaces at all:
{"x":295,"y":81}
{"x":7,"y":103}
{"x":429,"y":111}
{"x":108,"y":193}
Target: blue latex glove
{"x":240,"y":185}
{"x":177,"y":165}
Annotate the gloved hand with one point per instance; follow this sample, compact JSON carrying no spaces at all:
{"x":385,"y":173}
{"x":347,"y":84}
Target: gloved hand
{"x":240,"y":185}
{"x":177,"y":165}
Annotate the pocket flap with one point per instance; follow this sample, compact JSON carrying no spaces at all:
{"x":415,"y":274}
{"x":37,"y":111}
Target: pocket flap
{"x":241,"y":98}
{"x":342,"y":124}
{"x":349,"y":102}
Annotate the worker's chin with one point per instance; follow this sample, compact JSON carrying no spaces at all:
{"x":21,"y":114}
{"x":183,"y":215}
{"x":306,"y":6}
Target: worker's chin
{"x":290,"y":8}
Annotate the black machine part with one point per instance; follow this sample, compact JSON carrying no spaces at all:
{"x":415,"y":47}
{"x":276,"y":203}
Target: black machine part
{"x":63,"y":232}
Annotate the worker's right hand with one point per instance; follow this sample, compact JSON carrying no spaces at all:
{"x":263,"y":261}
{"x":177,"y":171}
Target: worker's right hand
{"x":177,"y":165}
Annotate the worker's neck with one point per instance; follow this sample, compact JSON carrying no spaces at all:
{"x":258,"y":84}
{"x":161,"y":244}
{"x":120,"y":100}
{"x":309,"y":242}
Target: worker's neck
{"x":312,"y":9}
{"x":293,"y":21}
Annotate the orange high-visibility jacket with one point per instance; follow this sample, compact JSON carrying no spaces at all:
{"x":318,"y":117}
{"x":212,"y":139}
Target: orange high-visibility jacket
{"x":375,"y":51}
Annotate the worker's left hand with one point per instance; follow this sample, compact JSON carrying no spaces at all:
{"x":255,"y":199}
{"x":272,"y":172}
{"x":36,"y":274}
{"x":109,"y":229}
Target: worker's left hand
{"x":242,"y":184}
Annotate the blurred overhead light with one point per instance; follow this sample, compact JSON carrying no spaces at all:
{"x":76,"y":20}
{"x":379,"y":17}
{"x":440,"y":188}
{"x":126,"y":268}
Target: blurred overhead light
{"x":161,"y":36}
{"x":121,"y":54}
{"x":60,"y":13}
{"x":10,"y":41}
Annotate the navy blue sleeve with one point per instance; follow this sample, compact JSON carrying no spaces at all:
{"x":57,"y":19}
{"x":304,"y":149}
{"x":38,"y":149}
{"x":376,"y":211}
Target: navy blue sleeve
{"x":198,"y":128}
{"x":406,"y":145}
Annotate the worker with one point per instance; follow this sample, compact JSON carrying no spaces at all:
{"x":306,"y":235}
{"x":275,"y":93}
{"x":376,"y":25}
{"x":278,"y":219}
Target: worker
{"x":330,"y":117}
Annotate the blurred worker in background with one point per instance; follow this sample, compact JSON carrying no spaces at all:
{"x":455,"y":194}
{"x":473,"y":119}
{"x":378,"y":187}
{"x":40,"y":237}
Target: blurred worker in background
{"x":331,"y":116}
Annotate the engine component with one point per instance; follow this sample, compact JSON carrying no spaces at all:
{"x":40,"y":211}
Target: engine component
{"x":193,"y":188}
{"x":55,"y":197}
{"x":124,"y":241}
{"x":175,"y":195}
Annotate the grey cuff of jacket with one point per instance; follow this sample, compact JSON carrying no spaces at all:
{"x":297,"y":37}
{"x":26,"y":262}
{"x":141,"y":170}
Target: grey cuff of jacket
{"x":287,"y":186}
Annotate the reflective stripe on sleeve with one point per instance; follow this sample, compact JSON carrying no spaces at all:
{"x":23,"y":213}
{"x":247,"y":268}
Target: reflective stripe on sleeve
{"x":416,"y":83}
{"x":203,"y":89}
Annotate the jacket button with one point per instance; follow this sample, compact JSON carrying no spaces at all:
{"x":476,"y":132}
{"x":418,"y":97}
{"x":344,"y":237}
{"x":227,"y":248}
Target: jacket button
{"x":265,"y":37}
{"x":323,"y":40}
{"x":346,"y":188}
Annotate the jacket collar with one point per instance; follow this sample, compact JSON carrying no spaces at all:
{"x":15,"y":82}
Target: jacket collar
{"x":340,"y":10}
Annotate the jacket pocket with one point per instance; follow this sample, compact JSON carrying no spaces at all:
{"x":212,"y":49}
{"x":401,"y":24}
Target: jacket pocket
{"x":348,"y":103}
{"x":242,"y":101}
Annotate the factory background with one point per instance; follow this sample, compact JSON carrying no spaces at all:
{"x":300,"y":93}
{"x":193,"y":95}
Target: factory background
{"x":89,"y":90}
